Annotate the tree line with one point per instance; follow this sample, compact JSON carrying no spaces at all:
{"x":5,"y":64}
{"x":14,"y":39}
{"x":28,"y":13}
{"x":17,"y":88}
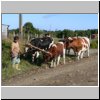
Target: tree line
{"x":30,"y":31}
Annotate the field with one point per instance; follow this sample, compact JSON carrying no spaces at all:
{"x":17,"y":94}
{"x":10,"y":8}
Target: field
{"x":73,"y":73}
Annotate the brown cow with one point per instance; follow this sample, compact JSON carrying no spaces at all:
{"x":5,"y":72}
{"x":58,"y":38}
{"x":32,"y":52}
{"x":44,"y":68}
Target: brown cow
{"x":80,"y":45}
{"x":54,"y":53}
{"x":68,"y":40}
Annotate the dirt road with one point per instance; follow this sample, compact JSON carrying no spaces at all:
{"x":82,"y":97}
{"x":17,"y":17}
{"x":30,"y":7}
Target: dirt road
{"x":74,"y":73}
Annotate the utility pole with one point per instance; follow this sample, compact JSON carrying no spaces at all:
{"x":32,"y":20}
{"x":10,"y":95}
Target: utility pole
{"x":20,"y":26}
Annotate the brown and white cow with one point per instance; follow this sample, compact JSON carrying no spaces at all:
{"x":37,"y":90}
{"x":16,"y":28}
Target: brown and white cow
{"x":54,"y":53}
{"x":80,"y":46}
{"x":67,"y":41}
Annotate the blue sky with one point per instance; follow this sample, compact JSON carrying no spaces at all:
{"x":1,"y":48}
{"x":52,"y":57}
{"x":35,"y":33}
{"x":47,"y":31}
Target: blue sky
{"x":54,"y":21}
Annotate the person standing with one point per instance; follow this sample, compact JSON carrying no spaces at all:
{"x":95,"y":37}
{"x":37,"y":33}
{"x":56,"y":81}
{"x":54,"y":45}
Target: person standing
{"x":15,"y":50}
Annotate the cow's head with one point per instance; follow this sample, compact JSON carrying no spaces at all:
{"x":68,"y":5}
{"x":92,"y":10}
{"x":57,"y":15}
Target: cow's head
{"x":31,"y":53}
{"x":67,"y":41}
{"x":47,"y":57}
{"x":27,"y":50}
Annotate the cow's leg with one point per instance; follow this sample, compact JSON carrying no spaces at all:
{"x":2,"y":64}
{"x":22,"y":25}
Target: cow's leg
{"x":64,"y":55}
{"x":54,"y":62}
{"x":88,"y":52}
{"x":58,"y":60}
{"x":81,"y":55}
{"x":33,"y":57}
{"x":51,"y":63}
{"x":68,"y":51}
{"x":75,"y":53}
{"x":78,"y":56}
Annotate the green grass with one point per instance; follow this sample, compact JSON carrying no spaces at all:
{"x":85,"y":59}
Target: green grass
{"x":7,"y":70}
{"x":6,"y":46}
{"x":94,"y":44}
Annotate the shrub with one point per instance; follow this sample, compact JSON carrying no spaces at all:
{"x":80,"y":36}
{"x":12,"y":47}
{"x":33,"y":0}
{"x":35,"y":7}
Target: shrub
{"x":6,"y":45}
{"x":7,"y":70}
{"x":94,"y":44}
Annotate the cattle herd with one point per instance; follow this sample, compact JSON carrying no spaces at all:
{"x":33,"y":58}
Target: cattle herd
{"x":52,"y":52}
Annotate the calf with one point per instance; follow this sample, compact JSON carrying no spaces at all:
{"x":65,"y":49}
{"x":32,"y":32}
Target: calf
{"x":54,"y":53}
{"x":80,"y":46}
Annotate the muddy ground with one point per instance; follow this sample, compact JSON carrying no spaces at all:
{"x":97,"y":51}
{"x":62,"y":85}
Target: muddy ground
{"x":73,"y":73}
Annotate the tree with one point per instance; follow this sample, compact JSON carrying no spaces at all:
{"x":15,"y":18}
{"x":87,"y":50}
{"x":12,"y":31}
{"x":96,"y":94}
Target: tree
{"x":28,"y":29}
{"x":38,"y":32}
{"x":68,"y":33}
{"x":88,"y":33}
{"x":94,"y":31}
{"x":17,"y":31}
{"x":58,"y":33}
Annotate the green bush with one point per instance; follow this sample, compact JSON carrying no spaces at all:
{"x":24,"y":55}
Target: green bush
{"x":6,"y":45}
{"x":94,"y":44}
{"x":7,"y":70}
